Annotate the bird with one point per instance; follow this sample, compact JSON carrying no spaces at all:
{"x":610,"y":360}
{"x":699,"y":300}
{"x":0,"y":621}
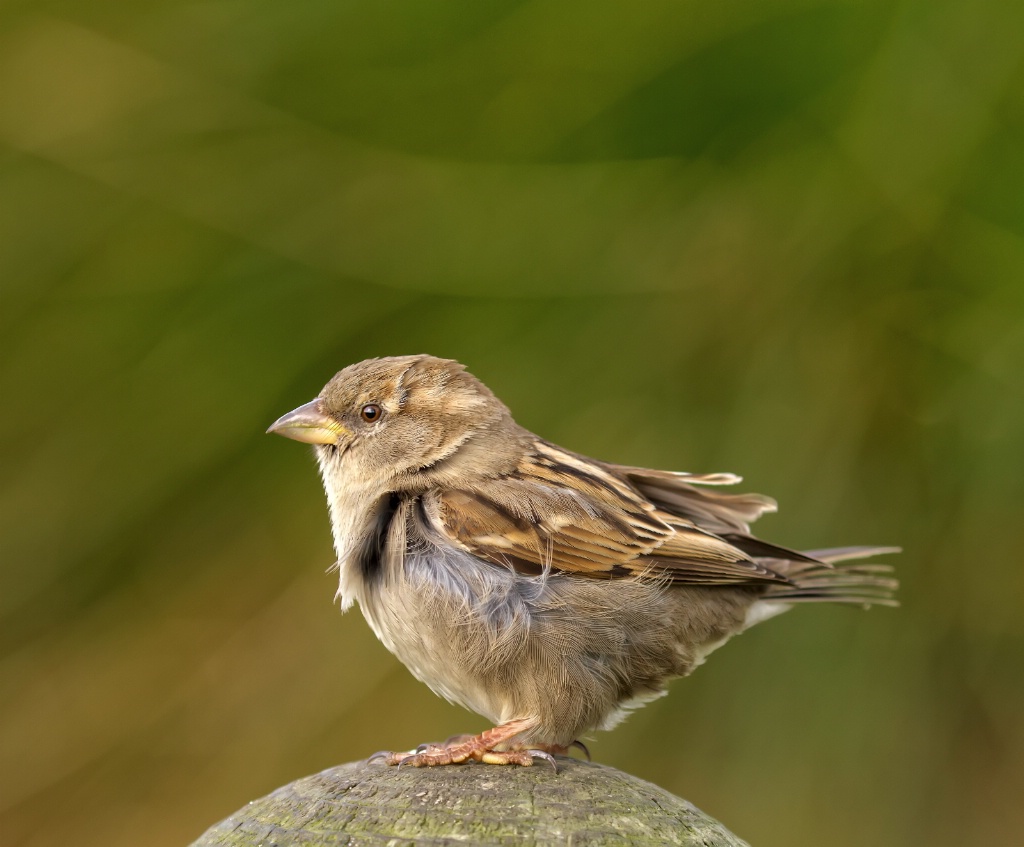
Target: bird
{"x":549,"y":592}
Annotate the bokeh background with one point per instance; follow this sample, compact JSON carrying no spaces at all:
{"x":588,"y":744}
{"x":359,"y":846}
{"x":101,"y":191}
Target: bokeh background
{"x":778,"y":237}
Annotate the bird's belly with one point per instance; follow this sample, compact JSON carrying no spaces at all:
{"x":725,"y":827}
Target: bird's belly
{"x":566,"y":653}
{"x":459,"y":627}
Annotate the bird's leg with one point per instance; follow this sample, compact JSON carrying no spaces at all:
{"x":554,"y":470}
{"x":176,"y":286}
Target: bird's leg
{"x":480,"y":748}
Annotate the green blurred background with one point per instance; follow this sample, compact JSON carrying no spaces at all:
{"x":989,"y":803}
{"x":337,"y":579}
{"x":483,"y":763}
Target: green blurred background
{"x":779,"y":238}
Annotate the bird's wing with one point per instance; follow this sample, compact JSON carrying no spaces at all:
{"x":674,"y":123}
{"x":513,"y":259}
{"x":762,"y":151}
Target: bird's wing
{"x":726,"y":515}
{"x":563,"y":512}
{"x":679,"y":494}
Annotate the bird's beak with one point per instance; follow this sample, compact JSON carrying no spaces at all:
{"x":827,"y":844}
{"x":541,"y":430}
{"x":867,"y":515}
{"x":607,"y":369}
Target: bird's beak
{"x":307,"y":423}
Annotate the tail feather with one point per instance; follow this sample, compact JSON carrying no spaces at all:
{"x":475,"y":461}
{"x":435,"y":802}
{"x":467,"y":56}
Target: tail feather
{"x":841,"y":554}
{"x":817,"y":580}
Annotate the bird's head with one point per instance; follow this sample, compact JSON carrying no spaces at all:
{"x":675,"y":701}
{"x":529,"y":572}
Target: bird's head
{"x":395,"y":423}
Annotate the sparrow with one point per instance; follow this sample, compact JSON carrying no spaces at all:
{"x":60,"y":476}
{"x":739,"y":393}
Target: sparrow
{"x":547,"y":591}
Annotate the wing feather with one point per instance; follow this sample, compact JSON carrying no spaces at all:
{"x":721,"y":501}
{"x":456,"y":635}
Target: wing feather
{"x":561,"y":511}
{"x":679,"y":494}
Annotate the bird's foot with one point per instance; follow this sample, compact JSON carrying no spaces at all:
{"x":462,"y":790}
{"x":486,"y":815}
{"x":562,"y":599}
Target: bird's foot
{"x":475,"y":748}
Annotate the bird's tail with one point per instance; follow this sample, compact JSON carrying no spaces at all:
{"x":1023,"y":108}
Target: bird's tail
{"x":826,"y":577}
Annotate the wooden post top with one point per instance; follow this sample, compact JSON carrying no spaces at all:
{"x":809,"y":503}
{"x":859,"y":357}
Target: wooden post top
{"x":372,"y":804}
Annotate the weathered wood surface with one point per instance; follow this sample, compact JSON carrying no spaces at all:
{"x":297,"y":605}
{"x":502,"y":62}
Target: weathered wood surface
{"x":366,"y":805}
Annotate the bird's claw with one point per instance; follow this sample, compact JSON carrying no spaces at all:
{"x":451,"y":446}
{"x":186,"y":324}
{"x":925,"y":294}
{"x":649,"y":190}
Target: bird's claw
{"x":392,"y":758}
{"x":581,"y":746}
{"x":547,"y":757}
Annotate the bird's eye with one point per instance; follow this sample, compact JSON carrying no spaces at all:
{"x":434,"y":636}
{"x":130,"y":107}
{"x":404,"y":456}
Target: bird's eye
{"x":371,"y":412}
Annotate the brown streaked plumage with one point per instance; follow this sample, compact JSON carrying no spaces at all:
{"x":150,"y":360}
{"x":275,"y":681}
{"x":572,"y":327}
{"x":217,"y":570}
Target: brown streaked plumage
{"x":545,"y":590}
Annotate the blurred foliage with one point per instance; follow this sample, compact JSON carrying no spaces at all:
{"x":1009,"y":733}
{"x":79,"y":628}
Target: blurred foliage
{"x":781,"y":237}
